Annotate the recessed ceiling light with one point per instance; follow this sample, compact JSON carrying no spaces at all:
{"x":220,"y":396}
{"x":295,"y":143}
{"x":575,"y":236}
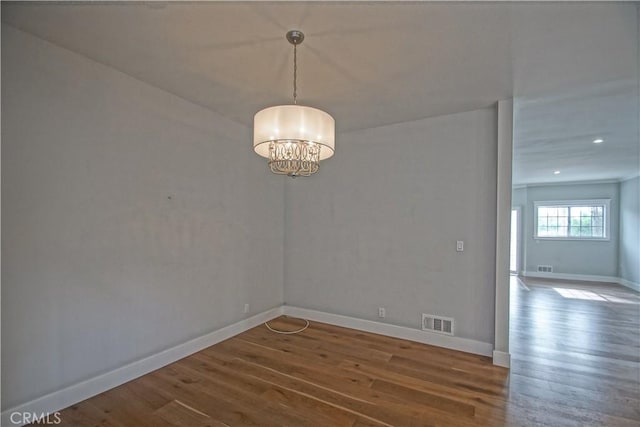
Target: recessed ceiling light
{"x":598,"y":141}
{"x":556,"y":172}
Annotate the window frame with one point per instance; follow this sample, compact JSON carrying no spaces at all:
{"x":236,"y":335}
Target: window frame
{"x":606,"y":227}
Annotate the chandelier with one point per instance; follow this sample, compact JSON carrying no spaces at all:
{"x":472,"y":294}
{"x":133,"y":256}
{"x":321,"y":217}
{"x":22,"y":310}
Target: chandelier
{"x":293,"y":137}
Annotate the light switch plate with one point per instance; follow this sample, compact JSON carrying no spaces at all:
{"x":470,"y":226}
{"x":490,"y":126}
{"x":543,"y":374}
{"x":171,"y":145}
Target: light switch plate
{"x":460,"y":246}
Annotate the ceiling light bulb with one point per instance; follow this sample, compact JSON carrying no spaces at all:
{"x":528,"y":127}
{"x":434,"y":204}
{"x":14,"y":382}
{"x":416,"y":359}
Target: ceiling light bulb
{"x":598,"y":141}
{"x":556,"y":172}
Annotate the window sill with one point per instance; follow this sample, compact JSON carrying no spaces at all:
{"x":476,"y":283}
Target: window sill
{"x":574,"y":239}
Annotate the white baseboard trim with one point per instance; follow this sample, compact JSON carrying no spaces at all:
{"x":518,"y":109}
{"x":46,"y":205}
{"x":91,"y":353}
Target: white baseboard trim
{"x":568,"y":276}
{"x":629,"y":284}
{"x":418,"y":335}
{"x":71,"y":395}
{"x":500,"y":358}
{"x":584,"y":277}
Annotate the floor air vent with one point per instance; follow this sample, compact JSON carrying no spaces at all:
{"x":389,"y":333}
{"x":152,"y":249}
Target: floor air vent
{"x":439,"y":324}
{"x":545,"y":269}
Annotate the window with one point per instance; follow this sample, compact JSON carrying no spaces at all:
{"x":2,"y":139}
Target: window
{"x":572,"y":220}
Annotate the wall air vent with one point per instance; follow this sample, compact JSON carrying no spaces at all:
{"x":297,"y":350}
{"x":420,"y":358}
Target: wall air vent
{"x":545,"y":269}
{"x":439,"y":324}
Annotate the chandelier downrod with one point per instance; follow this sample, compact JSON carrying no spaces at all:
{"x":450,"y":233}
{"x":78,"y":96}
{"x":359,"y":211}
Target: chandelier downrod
{"x":295,"y":37}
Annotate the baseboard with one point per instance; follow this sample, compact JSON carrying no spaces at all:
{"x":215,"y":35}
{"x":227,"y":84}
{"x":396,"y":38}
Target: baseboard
{"x":584,"y":277}
{"x":629,"y":284}
{"x":500,"y":358}
{"x":425,"y":337}
{"x":568,"y":276}
{"x":71,"y":395}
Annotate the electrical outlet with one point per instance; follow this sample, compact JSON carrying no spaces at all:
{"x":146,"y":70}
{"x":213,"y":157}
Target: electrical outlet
{"x":382,"y":312}
{"x":247,"y":308}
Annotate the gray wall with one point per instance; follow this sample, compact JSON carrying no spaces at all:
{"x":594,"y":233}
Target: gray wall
{"x":378,"y":225}
{"x":598,"y":258}
{"x":100,"y":267}
{"x":629,"y":261}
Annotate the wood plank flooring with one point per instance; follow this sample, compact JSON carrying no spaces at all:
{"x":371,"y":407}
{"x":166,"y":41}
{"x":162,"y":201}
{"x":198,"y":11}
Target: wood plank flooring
{"x":575,"y":350}
{"x":575,"y":346}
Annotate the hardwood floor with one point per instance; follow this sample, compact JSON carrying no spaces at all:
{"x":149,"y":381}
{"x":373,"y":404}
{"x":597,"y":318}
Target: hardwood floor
{"x":575,"y":363}
{"x":577,"y":345}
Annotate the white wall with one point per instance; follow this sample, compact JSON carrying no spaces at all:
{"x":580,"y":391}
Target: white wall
{"x":576,"y":257}
{"x":629,"y":253}
{"x":132,"y":220}
{"x":378,"y":225}
{"x":519,"y":200}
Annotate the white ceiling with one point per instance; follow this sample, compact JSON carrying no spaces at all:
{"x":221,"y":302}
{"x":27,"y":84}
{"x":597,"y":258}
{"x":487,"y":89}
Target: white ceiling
{"x":571,"y":68}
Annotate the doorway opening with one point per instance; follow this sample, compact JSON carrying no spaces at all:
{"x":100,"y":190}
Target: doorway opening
{"x":514,"y":251}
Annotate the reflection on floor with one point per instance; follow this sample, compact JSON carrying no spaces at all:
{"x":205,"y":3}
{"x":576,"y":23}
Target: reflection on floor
{"x":581,"y":340}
